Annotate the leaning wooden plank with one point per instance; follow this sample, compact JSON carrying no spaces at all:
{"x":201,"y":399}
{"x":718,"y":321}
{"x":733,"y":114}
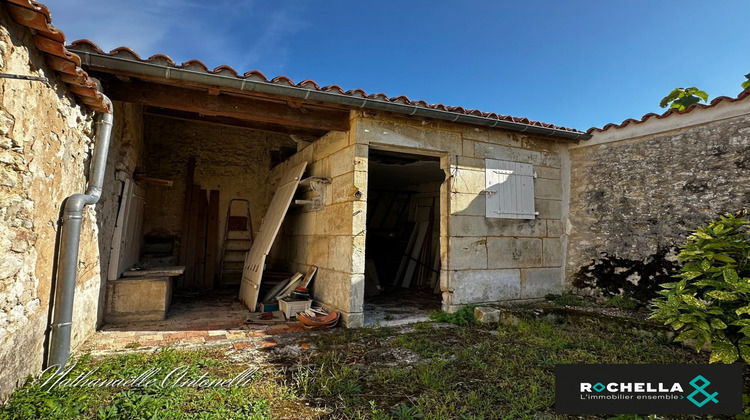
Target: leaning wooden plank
{"x":200,"y":250}
{"x":294,"y":282}
{"x":212,"y":238}
{"x":113,"y":273}
{"x":309,"y":276}
{"x":269,"y":228}
{"x":130,"y":251}
{"x":192,"y":237}
{"x":413,"y":258}
{"x":268,"y":297}
{"x":407,"y":252}
{"x":186,"y":210}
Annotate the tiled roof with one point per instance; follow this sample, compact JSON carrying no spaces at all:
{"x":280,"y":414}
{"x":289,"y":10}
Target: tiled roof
{"x":51,"y":41}
{"x":716,"y":101}
{"x":256,"y":76}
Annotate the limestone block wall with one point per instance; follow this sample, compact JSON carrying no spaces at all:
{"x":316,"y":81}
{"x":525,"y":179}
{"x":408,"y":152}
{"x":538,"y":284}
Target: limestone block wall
{"x":236,"y":161}
{"x":486,"y":259}
{"x":639,"y":189}
{"x":332,"y":238}
{"x":45,"y":147}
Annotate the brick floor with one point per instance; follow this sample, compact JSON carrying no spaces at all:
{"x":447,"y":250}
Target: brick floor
{"x":218,"y":319}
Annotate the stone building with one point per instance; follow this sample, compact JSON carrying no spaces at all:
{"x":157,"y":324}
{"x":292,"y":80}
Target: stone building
{"x":511,"y":205}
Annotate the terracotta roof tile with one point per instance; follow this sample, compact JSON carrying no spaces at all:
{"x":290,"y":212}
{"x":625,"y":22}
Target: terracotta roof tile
{"x":51,"y":41}
{"x":254,"y":75}
{"x":716,"y":101}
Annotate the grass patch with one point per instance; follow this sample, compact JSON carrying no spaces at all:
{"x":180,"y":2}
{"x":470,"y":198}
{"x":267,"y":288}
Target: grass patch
{"x":426,"y":371}
{"x":262,"y":397}
{"x":569,"y":299}
{"x":463,"y":316}
{"x":622,"y":302}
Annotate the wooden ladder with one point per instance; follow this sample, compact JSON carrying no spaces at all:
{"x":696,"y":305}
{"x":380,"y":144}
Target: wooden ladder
{"x":238,"y":239}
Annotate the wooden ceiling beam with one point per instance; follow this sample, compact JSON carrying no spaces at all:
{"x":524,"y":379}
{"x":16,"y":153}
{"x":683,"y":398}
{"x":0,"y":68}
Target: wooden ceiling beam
{"x":305,"y":133}
{"x":225,"y":105}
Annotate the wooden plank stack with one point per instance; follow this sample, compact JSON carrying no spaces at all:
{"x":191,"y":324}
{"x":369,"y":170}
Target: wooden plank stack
{"x":199,"y":238}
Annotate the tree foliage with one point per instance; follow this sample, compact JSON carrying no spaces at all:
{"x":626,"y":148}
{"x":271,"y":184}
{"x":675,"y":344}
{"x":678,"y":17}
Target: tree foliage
{"x":682,"y":98}
{"x":710,"y":303}
{"x":746,"y":83}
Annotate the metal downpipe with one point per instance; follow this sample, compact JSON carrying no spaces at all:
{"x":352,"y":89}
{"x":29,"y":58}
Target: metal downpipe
{"x":70,"y":236}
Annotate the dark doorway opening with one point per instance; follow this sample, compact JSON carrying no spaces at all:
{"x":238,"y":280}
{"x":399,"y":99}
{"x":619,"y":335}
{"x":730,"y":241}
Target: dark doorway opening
{"x":402,"y":257}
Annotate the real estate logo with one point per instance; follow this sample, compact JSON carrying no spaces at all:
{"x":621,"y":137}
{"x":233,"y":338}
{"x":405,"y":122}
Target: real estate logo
{"x":652,"y":389}
{"x":701,"y":389}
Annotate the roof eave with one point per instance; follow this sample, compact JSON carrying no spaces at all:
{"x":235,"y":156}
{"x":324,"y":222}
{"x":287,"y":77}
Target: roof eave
{"x":99,"y":61}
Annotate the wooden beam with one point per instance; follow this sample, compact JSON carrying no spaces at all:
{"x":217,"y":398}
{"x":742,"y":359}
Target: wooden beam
{"x":305,"y":133}
{"x":212,"y":232}
{"x":226,"y":105}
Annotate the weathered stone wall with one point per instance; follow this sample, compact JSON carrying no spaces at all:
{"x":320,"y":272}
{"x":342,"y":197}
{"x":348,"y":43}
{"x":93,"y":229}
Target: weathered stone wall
{"x":45,"y":147}
{"x":332,"y":238}
{"x":486,"y":259}
{"x":638,"y":190}
{"x":126,"y":154}
{"x":235,"y":161}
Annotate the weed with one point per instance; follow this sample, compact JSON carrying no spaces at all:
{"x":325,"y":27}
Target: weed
{"x":463,"y":316}
{"x":622,"y":302}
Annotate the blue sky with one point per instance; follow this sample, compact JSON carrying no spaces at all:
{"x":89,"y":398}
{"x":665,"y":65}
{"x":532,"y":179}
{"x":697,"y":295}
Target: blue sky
{"x":576,"y":63}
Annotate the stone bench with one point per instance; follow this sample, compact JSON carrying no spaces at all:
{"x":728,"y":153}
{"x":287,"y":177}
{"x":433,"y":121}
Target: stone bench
{"x":141,"y":295}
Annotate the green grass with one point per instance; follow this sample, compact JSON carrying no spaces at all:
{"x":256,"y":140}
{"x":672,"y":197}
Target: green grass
{"x":427,"y":371}
{"x":261,"y":398}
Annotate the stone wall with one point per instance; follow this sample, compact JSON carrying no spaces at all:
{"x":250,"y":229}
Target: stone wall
{"x":332,"y":238}
{"x":45,"y":147}
{"x":235,"y":161}
{"x":636,"y":191}
{"x":486,"y":259}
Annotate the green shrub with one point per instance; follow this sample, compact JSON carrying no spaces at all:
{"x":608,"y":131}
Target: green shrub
{"x":463,"y":316}
{"x":710,"y":304}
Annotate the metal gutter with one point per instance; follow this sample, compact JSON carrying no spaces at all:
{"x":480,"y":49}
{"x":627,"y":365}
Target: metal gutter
{"x":70,"y":238}
{"x":164,"y":71}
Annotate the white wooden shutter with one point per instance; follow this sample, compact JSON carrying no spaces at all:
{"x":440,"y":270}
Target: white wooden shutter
{"x":509,"y":189}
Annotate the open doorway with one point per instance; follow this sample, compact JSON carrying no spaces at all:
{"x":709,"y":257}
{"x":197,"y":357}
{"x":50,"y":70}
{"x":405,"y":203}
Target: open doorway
{"x":402,"y":257}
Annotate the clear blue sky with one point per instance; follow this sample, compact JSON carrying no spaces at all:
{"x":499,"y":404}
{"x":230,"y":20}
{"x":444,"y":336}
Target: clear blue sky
{"x":575,"y":63}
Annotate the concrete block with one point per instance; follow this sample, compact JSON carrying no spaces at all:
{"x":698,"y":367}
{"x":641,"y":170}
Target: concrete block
{"x":461,"y":225}
{"x":554,"y":228}
{"x":340,"y":253}
{"x":487,"y":315}
{"x":342,"y":162}
{"x":342,"y":188}
{"x":317,"y":251}
{"x":548,"y":173}
{"x":468,"y":181}
{"x":514,"y":252}
{"x":548,"y":189}
{"x":539,"y":282}
{"x":470,"y":163}
{"x":466,"y":204}
{"x":408,"y":136}
{"x":333,"y":288}
{"x":138,"y":299}
{"x":361,"y":156}
{"x":552,"y":252}
{"x":548,"y":209}
{"x":468,"y":148}
{"x":494,"y":151}
{"x":475,"y":133}
{"x":329,"y":144}
{"x":335,"y":219}
{"x":468,"y":253}
{"x":477,"y":286}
